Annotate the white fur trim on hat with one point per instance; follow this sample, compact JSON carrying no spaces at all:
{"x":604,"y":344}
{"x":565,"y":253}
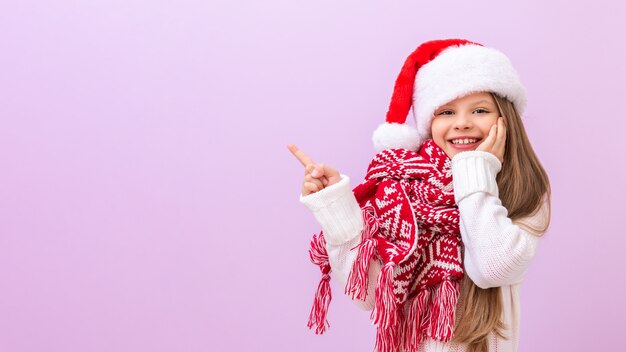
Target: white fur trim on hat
{"x":396,"y":135}
{"x":461,"y":70}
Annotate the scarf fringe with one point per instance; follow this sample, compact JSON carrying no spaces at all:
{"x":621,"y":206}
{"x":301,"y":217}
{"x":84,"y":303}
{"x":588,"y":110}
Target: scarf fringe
{"x":425,"y":319}
{"x":358,"y":278}
{"x":319,"y":311}
{"x":323,"y":295}
{"x":443,"y":310}
{"x":431,"y":312}
{"x":414,"y":323}
{"x":386,"y":314}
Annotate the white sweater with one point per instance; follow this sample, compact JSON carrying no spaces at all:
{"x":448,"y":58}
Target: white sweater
{"x":498,"y":252}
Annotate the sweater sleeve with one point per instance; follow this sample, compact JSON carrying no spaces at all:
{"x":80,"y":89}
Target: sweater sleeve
{"x":339,"y":214}
{"x":498,"y":251}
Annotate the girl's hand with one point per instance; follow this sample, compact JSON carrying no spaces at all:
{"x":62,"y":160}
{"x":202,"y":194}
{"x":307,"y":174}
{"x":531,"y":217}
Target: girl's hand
{"x":495,"y":142}
{"x":316,"y":176}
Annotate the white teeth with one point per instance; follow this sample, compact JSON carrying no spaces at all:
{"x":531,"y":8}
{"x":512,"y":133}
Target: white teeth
{"x":465,"y":141}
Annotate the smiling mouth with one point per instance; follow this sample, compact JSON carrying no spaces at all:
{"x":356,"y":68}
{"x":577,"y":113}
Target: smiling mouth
{"x":464,"y":141}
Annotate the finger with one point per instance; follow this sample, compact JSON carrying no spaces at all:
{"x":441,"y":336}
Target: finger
{"x":316,"y":181}
{"x":314,"y":170}
{"x":309,"y":171}
{"x":311,"y":187}
{"x":331,"y":174}
{"x":305,"y":192}
{"x":303,"y":158}
{"x":323,"y":179}
{"x":323,"y":172}
{"x":493,"y":133}
{"x":501,"y":137}
{"x":502,"y":130}
{"x":317,"y":171}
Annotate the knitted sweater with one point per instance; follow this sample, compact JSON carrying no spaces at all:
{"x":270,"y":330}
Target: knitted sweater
{"x":497,"y":251}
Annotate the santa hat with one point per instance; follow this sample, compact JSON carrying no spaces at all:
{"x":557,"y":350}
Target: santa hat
{"x":436,"y":73}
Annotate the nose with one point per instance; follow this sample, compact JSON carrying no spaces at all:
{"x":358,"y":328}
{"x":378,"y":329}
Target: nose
{"x":462,"y":122}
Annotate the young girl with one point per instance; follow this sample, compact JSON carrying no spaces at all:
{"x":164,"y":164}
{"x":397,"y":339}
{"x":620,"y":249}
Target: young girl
{"x":437,"y":239}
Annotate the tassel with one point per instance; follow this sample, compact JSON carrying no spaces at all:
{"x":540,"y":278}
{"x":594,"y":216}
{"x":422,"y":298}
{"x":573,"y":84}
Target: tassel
{"x":385,"y":313}
{"x":426,"y":314}
{"x":317,"y":252}
{"x":358,"y":279}
{"x":385,"y":304}
{"x":444,"y":306}
{"x":317,"y":317}
{"x":413,"y":330}
{"x":402,"y":331}
{"x":410,"y":335}
{"x":323,"y":296}
{"x":387,"y":340}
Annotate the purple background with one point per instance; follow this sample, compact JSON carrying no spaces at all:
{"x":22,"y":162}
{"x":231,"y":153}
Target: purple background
{"x":148,"y":201}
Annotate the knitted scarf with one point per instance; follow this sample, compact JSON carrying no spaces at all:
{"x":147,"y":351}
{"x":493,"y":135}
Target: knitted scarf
{"x":411,"y":226}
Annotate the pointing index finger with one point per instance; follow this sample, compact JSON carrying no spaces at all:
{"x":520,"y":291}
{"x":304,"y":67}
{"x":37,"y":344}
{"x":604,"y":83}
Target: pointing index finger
{"x":299,"y":154}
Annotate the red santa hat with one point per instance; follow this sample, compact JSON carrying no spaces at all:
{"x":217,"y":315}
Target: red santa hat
{"x":436,"y":73}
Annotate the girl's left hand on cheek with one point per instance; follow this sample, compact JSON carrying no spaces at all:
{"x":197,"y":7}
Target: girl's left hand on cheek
{"x":496,"y":140}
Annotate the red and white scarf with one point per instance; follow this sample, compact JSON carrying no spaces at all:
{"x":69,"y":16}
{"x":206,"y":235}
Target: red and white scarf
{"x":412,"y":228}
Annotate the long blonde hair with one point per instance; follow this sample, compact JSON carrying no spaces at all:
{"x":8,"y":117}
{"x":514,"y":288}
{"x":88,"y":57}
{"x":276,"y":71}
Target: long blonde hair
{"x":522,"y":184}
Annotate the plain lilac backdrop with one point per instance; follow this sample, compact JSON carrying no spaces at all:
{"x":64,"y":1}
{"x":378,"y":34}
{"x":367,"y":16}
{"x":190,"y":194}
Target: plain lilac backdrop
{"x":148,"y":201}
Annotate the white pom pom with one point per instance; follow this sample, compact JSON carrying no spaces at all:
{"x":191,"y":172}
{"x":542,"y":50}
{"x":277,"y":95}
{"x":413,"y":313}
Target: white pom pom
{"x":396,"y":135}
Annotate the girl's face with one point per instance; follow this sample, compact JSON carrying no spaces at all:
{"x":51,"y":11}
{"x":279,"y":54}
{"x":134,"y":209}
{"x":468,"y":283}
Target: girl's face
{"x":462,"y":124}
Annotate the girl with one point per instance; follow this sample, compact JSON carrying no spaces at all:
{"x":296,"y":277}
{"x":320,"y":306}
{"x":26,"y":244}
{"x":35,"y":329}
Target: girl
{"x":438,"y":238}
